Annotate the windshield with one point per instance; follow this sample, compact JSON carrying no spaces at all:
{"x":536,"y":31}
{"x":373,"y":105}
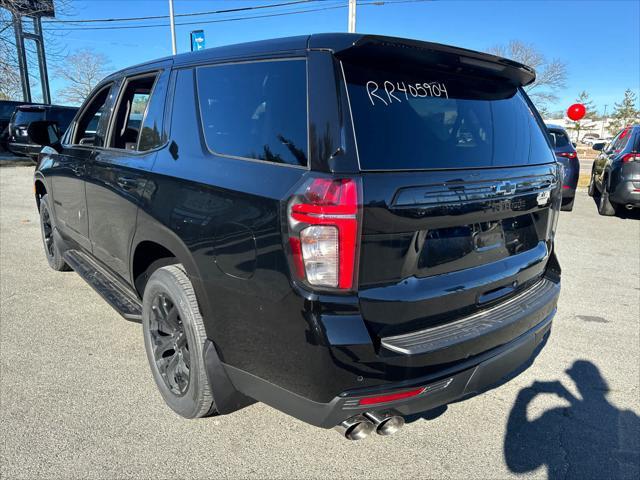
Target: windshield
{"x":411,"y":119}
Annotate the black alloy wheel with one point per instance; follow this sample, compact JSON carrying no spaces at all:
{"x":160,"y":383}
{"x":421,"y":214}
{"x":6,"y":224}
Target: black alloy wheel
{"x":47,"y":232}
{"x":170,"y":345}
{"x":47,"y":228}
{"x":174,"y":339}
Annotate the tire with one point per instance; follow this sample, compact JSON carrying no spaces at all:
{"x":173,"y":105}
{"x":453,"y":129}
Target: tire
{"x":47,"y":227}
{"x":568,"y":206}
{"x":592,"y":186}
{"x":605,"y":206}
{"x":174,"y":338}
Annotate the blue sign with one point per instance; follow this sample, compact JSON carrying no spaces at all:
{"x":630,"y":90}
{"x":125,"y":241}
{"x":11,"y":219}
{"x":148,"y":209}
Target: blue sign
{"x":197,"y":40}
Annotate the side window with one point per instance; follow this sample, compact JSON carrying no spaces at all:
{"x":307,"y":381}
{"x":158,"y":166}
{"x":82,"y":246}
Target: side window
{"x":255,"y":110}
{"x":130,"y":113}
{"x":618,"y":144}
{"x":87,"y":131}
{"x":152,"y":134}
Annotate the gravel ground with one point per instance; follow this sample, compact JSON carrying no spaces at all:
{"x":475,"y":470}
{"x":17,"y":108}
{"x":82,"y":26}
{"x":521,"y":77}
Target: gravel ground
{"x":78,"y":400}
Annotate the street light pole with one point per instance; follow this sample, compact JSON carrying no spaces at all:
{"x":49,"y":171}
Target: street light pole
{"x":604,"y":119}
{"x":352,"y":16}
{"x":173,"y":28}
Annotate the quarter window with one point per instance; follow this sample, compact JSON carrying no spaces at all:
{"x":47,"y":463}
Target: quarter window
{"x":255,"y":110}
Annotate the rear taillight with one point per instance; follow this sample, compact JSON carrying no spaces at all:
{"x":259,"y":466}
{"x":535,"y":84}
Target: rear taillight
{"x":570,"y":155}
{"x":323,"y":222}
{"x":630,"y":157}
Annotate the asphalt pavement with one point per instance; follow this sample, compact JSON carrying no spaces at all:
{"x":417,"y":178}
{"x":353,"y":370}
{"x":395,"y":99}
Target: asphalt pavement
{"x":78,"y":400}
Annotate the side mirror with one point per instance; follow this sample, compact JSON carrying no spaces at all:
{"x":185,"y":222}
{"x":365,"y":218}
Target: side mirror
{"x":574,"y":144}
{"x":45,"y":133}
{"x":598,"y":146}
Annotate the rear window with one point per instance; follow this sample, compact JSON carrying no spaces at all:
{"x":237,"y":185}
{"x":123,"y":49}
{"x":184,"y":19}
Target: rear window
{"x":558,"y":138}
{"x":256,"y":110}
{"x":426,"y":119}
{"x":24,"y":117}
{"x":63,"y":116}
{"x":6,"y":109}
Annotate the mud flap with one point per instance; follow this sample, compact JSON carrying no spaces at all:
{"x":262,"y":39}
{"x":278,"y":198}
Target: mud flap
{"x":225,"y":395}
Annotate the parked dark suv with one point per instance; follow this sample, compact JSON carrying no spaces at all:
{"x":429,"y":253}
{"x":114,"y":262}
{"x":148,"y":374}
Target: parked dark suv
{"x":568,"y":158}
{"x":616,"y":172}
{"x":349,"y":228}
{"x":18,"y":141}
{"x":6,"y":111}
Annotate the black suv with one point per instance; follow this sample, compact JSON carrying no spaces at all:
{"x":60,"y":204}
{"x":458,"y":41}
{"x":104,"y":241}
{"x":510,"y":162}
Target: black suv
{"x":616,"y":172}
{"x":18,"y":140}
{"x":349,"y":228}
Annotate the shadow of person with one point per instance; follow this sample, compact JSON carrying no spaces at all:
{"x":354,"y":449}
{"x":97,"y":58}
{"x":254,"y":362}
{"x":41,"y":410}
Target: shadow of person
{"x":590,"y":438}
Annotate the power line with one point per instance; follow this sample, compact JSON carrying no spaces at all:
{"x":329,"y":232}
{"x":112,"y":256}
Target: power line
{"x":233,"y":19}
{"x":156,"y":17}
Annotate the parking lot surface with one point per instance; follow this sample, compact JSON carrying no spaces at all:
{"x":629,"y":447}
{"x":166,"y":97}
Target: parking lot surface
{"x":78,"y":399}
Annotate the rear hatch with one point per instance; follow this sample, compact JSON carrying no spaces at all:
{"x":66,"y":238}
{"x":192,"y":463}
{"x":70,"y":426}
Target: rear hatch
{"x":21,"y":120}
{"x":460,"y":188}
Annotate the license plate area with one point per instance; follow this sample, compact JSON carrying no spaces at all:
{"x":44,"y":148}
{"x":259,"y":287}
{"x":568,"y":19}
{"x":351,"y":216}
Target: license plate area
{"x":450,"y":249}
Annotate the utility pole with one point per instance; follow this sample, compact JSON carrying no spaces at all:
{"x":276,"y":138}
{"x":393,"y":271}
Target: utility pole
{"x":352,"y":16}
{"x":604,"y":119}
{"x":34,"y":11}
{"x":173,"y":28}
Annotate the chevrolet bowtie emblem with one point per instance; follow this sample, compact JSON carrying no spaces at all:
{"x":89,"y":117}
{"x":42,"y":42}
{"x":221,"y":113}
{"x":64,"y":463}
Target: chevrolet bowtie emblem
{"x":504,"y":188}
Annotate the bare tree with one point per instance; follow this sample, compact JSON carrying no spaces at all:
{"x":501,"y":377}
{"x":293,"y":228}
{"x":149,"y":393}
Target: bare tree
{"x":551,"y":75}
{"x":10,"y":86}
{"x":81,"y":72}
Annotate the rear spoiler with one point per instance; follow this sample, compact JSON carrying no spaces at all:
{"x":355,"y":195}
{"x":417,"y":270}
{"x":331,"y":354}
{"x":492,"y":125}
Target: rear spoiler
{"x":376,"y":48}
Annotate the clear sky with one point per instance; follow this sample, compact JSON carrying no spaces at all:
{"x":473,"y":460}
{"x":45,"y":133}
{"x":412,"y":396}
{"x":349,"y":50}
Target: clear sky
{"x":599,"y":40}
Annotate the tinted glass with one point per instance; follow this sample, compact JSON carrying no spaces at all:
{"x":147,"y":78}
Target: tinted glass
{"x":256,"y":110}
{"x":620,"y":142}
{"x":24,"y":117}
{"x":559,"y":138}
{"x":63,"y":116}
{"x":6,"y":110}
{"x":426,"y":119}
{"x":152,"y":135}
{"x":88,"y":125}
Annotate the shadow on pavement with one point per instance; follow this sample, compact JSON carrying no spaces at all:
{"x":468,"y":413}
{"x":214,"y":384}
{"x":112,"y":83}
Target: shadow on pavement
{"x":590,"y":438}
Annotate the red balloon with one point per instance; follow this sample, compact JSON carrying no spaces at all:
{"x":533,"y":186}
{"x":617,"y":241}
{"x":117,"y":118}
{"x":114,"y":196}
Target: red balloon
{"x":576,"y":111}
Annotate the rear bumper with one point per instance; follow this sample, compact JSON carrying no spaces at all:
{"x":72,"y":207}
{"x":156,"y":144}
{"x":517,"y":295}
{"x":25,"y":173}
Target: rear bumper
{"x":448,"y":386}
{"x":23,"y":149}
{"x":568,"y":192}
{"x":486,"y":350}
{"x":626,"y":193}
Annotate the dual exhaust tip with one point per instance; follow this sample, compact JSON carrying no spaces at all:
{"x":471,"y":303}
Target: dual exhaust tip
{"x":361,"y":426}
